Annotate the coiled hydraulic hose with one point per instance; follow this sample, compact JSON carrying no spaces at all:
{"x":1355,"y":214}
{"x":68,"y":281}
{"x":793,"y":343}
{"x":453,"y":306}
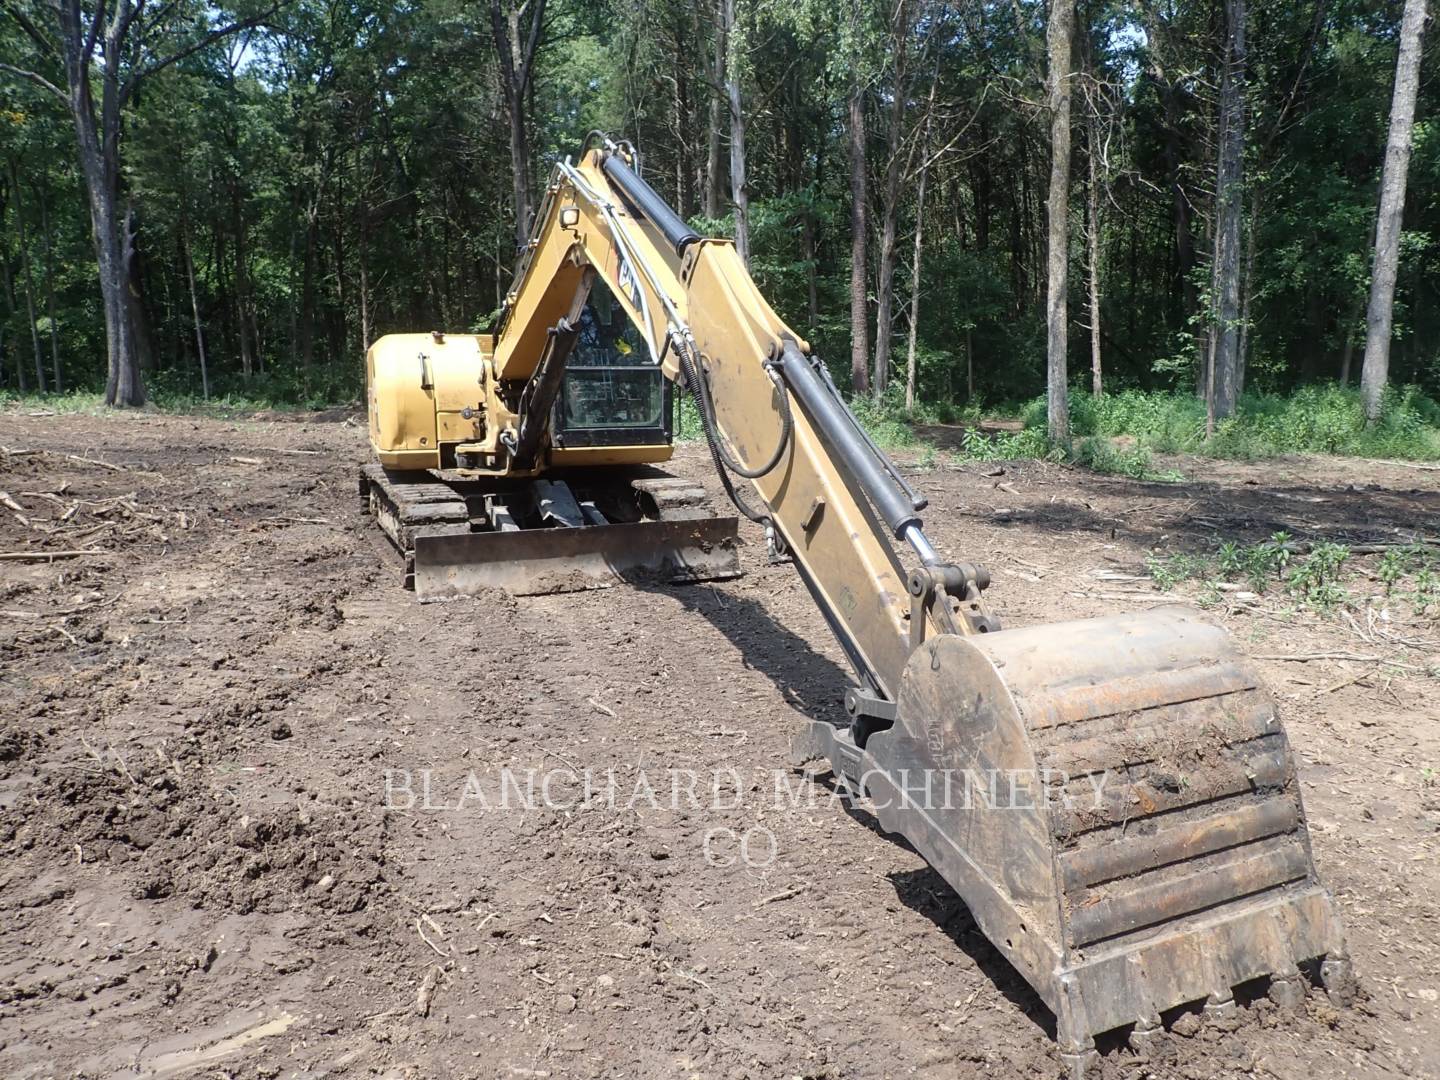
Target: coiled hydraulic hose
{"x":699,"y":389}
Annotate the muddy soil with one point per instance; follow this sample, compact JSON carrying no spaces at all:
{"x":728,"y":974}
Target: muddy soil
{"x":221,"y":856}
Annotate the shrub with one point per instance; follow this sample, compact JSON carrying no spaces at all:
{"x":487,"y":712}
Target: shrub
{"x":1325,"y":418}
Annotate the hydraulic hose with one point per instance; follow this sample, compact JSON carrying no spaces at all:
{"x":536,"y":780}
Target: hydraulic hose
{"x":712,"y":432}
{"x":699,"y":389}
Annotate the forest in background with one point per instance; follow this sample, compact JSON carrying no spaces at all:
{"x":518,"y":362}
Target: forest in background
{"x":292,"y":180}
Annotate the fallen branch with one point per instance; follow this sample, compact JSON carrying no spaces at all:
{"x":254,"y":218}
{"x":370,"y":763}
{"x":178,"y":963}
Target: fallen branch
{"x":68,"y":457}
{"x":419,"y":929}
{"x":92,"y":461}
{"x":775,"y":898}
{"x":1351,"y":681}
{"x":65,"y":634}
{"x":124,"y":767}
{"x":1402,"y":464}
{"x":1354,"y":658}
{"x":1302,"y":658}
{"x":48,"y":556}
{"x":427,"y":990}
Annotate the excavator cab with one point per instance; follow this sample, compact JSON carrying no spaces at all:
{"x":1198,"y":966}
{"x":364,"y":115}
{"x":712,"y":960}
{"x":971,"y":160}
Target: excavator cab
{"x":614,"y":394}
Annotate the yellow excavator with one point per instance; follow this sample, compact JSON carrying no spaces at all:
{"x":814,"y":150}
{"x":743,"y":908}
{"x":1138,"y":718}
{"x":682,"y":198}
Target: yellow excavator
{"x":1114,"y":799}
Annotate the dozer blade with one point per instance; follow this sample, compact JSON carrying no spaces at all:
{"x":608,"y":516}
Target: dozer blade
{"x":531,"y":562}
{"x":1115,"y":801}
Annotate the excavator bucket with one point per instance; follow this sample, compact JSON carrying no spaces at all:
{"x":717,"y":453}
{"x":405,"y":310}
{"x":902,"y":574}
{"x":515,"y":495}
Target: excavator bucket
{"x":1116,"y":802}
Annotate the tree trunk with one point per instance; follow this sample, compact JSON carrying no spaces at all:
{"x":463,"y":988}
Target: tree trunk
{"x":517,"y":61}
{"x":915,"y":289}
{"x":890,"y":203}
{"x":915,"y":255}
{"x":56,"y":382}
{"x":292,"y":264}
{"x":9,"y":290}
{"x":1347,"y":351}
{"x":1229,"y":189}
{"x":714,"y":194}
{"x":1379,"y":318}
{"x":520,"y":173}
{"x":1183,"y":293}
{"x":135,"y":309}
{"x":1097,"y":383}
{"x":969,"y":365}
{"x":195,"y":307}
{"x":1247,"y":293}
{"x":1059,"y":32}
{"x":980,"y":184}
{"x":363,"y":259}
{"x":499,"y":276}
{"x":27,"y":278}
{"x":244,"y":308}
{"x":98,"y":145}
{"x":684,"y":195}
{"x":739,"y":191}
{"x":859,"y":306}
{"x":307,"y":289}
{"x":807,"y":242}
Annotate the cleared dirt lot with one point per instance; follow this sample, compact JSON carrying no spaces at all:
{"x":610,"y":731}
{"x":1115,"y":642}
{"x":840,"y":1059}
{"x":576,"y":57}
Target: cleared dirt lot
{"x":201,"y":876}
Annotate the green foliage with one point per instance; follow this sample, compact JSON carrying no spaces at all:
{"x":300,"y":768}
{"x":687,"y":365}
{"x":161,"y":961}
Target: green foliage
{"x":1312,"y":576}
{"x":1103,"y":455}
{"x":1315,"y":419}
{"x":1314,"y":580}
{"x":1419,"y":564}
{"x":1170,"y":570}
{"x":885,"y":422}
{"x":976,"y":445}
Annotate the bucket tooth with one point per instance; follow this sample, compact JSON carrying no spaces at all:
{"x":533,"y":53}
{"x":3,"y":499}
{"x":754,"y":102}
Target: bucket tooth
{"x":1168,"y":861}
{"x":1338,"y":977}
{"x":1221,"y":1012}
{"x":1079,"y":1060}
{"x":1145,"y":1037}
{"x":1288,"y":989}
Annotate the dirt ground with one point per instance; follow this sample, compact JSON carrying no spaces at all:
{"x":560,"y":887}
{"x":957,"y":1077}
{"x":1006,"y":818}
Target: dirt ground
{"x":206,"y":716}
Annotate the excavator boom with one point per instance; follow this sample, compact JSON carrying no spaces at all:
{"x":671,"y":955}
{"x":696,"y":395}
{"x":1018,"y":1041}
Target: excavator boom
{"x":1114,"y":799}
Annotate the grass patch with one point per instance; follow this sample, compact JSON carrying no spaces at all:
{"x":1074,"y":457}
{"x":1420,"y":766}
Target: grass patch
{"x":1102,"y":455}
{"x":975,"y":445}
{"x":222,"y":406}
{"x":1097,"y":454}
{"x":174,"y":391}
{"x":1312,"y":576}
{"x":1324,"y":419}
{"x":886,"y":423}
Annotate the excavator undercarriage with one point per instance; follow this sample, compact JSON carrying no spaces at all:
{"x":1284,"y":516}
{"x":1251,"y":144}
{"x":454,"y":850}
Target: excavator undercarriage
{"x":1114,"y":799}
